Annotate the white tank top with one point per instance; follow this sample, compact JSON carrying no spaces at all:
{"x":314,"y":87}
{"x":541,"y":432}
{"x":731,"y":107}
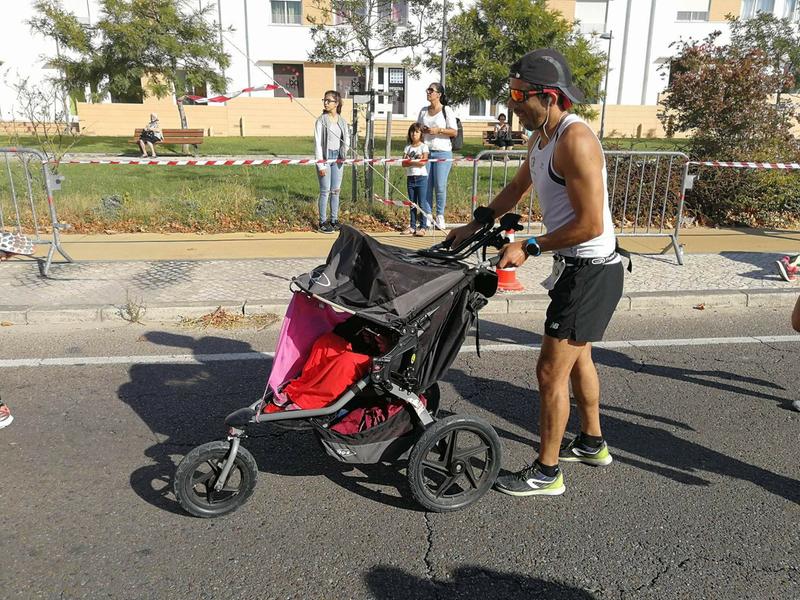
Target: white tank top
{"x":556,"y":208}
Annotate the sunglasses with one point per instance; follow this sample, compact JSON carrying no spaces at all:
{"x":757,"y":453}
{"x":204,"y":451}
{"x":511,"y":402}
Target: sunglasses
{"x":522,"y":95}
{"x":432,"y":91}
{"x":328,"y":100}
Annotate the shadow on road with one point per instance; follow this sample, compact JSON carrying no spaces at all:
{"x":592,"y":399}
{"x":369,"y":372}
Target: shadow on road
{"x":658,"y":450}
{"x":467,"y":583}
{"x":184,"y":405}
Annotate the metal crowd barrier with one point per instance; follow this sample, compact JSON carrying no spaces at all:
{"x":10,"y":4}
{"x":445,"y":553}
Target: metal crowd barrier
{"x":26,"y":192}
{"x":646,"y":190}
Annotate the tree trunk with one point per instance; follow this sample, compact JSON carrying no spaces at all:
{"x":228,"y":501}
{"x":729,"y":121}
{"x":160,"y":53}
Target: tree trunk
{"x":184,"y":122}
{"x":369,"y":138}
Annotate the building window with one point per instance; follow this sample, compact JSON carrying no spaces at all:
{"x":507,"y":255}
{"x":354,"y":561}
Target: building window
{"x":133,"y":95}
{"x":477,"y":107}
{"x":348,"y":81}
{"x":751,"y":7}
{"x":591,"y":15}
{"x":396,"y":10}
{"x":289,"y":77}
{"x":397,"y":85}
{"x":183,"y":87}
{"x":690,"y":16}
{"x":347,"y":13}
{"x":287,"y":12}
{"x":692,"y":11}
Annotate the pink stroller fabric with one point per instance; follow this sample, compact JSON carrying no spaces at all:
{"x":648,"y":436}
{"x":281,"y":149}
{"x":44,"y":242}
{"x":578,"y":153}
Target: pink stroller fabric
{"x":306,"y":320}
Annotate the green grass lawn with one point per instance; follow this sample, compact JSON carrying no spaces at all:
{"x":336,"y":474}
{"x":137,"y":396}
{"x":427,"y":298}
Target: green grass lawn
{"x":221,"y":199}
{"x":285,"y":146}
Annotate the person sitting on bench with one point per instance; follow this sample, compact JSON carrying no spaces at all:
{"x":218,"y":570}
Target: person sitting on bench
{"x":501,"y":136}
{"x":150,"y":135}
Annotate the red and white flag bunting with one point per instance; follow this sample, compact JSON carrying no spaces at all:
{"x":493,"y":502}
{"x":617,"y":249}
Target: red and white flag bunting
{"x":224,"y":98}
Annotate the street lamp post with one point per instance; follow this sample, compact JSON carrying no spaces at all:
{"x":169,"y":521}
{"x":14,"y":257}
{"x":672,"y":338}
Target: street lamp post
{"x":605,"y":36}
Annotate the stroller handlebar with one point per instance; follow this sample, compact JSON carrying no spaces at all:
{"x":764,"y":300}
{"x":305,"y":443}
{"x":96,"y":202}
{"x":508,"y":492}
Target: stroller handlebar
{"x":488,"y":235}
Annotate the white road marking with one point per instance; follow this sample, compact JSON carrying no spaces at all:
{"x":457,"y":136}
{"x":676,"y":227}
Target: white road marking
{"x":468,"y":348}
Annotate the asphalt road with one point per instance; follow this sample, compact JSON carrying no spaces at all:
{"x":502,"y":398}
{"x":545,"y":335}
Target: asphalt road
{"x":702,"y":501}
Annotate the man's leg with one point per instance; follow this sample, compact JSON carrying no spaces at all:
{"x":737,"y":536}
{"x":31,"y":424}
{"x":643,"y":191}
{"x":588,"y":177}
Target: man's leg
{"x":586,"y":387}
{"x":588,"y":446}
{"x":543,"y":478}
{"x":556,"y":362}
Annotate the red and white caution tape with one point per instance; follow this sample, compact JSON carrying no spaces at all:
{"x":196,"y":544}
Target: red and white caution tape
{"x":244,"y":161}
{"x":390,"y":202}
{"x":225,"y":98}
{"x":747,"y":165}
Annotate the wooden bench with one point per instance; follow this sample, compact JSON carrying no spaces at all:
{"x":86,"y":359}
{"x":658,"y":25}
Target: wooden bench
{"x":488,"y":139}
{"x":176,"y":136}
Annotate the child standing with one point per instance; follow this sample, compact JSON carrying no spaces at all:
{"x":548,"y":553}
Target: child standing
{"x":416,"y":176}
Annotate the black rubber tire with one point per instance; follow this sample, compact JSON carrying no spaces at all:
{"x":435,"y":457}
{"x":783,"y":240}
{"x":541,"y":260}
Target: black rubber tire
{"x":191,"y":474}
{"x":439,"y":438}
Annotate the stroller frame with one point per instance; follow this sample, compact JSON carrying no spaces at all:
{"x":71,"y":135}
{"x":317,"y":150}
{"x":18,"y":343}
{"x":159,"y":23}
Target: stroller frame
{"x":224,"y":457}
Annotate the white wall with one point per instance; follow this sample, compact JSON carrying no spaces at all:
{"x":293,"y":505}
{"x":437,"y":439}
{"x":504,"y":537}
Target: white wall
{"x":634,"y":80}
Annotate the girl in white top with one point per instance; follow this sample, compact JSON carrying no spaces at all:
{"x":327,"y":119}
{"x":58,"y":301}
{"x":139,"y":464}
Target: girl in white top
{"x":439,"y":127}
{"x":415,"y":153}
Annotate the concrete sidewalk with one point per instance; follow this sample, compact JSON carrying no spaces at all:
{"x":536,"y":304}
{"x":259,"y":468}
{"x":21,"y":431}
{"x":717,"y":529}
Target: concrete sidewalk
{"x":174,"y":276}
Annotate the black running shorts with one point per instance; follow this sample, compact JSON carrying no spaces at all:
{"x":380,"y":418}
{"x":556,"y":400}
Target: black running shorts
{"x":583,"y":300}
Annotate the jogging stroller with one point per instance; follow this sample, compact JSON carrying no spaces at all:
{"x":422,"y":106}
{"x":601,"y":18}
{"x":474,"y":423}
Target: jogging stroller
{"x":408,"y":313}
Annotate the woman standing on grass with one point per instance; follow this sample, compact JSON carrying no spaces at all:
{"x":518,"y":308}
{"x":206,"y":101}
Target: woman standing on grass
{"x":331,"y":142}
{"x":439,"y":127}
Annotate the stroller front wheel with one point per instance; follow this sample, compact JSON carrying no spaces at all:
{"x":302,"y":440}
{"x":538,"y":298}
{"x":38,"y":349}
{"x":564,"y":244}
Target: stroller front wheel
{"x":454,"y":463}
{"x":198,"y":473}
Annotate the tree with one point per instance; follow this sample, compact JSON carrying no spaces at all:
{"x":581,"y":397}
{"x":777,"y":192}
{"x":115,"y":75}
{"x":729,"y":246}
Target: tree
{"x":720,"y":93}
{"x":359,"y":32}
{"x":780,"y":42}
{"x":487,"y":38}
{"x":165,"y":43}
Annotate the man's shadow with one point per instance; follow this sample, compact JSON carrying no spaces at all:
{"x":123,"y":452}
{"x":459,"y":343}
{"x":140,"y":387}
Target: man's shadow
{"x":666,"y":454}
{"x":468,"y":583}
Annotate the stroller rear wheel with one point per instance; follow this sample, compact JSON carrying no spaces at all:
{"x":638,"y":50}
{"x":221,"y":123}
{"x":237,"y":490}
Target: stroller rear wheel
{"x":454,"y":463}
{"x":199,"y":471}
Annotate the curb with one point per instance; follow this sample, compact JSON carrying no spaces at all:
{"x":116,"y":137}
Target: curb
{"x":503,"y":303}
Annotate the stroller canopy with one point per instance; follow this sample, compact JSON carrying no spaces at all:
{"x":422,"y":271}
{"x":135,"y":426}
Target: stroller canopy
{"x":379,"y":281}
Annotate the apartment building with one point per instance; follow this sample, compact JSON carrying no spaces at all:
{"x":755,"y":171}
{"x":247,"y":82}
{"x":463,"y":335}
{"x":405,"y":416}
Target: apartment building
{"x":271,"y":39}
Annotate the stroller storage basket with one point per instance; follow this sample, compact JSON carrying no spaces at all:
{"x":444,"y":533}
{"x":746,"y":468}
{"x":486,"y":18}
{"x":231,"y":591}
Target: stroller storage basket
{"x":391,"y":439}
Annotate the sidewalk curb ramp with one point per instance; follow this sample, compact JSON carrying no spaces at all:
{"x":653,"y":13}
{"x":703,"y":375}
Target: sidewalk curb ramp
{"x":502,"y":303}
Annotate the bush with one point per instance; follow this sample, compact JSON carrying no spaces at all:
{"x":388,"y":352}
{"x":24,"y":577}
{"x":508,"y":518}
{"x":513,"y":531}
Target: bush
{"x":746,"y":198}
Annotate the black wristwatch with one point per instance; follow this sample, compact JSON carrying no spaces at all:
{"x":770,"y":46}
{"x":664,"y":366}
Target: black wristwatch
{"x":531,"y":247}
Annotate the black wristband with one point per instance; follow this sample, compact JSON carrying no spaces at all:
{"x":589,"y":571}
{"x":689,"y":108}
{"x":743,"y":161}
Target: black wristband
{"x":484,"y":215}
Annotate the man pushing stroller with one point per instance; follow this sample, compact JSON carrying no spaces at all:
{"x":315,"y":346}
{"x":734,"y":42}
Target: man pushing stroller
{"x":565,"y":162}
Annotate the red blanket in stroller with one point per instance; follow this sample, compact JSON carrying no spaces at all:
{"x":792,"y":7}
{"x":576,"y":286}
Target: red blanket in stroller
{"x":331,"y":368}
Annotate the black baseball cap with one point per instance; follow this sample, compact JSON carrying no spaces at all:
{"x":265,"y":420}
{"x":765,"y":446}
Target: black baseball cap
{"x":548,"y":68}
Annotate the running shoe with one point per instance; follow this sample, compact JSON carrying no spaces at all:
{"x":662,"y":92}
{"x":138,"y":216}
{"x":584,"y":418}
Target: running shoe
{"x":788,"y":267}
{"x":577,"y":451}
{"x":530,"y":481}
{"x":325,"y":227}
{"x":335,"y":225}
{"x":440,"y":222}
{"x":5,"y":415}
